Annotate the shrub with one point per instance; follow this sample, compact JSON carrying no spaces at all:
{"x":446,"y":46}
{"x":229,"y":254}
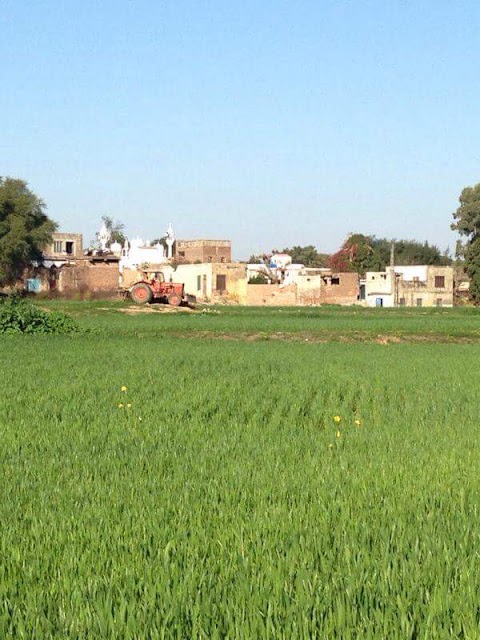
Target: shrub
{"x":21,"y":316}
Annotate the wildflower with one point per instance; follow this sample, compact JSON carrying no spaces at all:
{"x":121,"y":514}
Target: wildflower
{"x":330,"y":445}
{"x":129,"y":405}
{"x":123,"y":388}
{"x":358,"y":423}
{"x":120,"y":406}
{"x":338,"y":434}
{"x":139,"y":419}
{"x":337,"y":419}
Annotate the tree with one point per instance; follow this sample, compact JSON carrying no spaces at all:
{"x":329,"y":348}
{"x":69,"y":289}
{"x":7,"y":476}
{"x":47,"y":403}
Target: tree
{"x":308,"y":256}
{"x":25,"y":228}
{"x":357,"y":253}
{"x":361,"y":253}
{"x":410,"y":252}
{"x":263,"y":258}
{"x":467,"y":223}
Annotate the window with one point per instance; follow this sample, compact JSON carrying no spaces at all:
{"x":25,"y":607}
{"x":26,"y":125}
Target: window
{"x":58,"y":246}
{"x":69,"y":248}
{"x":335,"y":280}
{"x":419,"y":302}
{"x":439,"y":282}
{"x":222,"y":259}
{"x":439,"y":302}
{"x":209,"y":258}
{"x":403,"y":302}
{"x":181,"y":254}
{"x":384,"y":276}
{"x":221,"y":283}
{"x":199,"y":283}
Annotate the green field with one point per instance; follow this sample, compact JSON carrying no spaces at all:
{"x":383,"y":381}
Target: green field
{"x":226,"y":501}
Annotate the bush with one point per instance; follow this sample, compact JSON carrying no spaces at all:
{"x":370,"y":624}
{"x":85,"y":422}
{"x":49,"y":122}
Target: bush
{"x":21,"y":316}
{"x":259,"y":278}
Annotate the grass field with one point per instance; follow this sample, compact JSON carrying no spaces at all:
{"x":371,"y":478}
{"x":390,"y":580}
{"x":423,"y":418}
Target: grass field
{"x":280,"y":473}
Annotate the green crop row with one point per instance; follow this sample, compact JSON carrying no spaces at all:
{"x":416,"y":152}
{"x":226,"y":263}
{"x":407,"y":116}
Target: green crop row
{"x":238,"y":490}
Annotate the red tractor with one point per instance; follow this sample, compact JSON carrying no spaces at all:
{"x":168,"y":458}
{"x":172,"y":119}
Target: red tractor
{"x":153,"y":287}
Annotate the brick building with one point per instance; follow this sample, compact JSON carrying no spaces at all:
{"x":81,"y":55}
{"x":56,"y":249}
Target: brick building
{"x":324,"y":287}
{"x":328,"y":287}
{"x":203,"y":251}
{"x":87,"y":276}
{"x":65,"y":246}
{"x":65,"y":270}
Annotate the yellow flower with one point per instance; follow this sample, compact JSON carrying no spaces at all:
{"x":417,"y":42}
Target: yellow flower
{"x":336,"y":419}
{"x":338,"y":434}
{"x":129,"y":405}
{"x":358,"y":423}
{"x":330,"y":445}
{"x":123,"y":388}
{"x":120,"y":406}
{"x":139,"y":419}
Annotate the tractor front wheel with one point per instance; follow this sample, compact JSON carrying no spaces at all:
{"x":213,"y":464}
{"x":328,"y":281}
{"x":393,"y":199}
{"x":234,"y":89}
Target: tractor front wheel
{"x":174,"y":299}
{"x":141,"y":294}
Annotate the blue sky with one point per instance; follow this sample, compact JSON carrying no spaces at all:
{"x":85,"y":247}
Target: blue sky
{"x":272,"y":123}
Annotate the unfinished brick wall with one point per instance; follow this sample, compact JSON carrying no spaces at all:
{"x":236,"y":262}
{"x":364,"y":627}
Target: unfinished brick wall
{"x":335,"y":288}
{"x":271,"y":295}
{"x":85,"y":276}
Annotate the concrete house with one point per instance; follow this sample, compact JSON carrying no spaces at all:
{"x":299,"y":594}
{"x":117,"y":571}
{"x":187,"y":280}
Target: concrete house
{"x":211,"y":282}
{"x":410,"y":286}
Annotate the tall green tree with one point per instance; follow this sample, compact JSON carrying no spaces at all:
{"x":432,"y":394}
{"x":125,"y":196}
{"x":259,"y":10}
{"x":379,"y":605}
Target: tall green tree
{"x":25,"y":228}
{"x":363,"y":253}
{"x":467,"y":223}
{"x":308,"y":255}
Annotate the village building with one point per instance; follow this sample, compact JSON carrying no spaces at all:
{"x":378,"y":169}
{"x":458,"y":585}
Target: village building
{"x":64,"y":247}
{"x":211,"y":282}
{"x":287,"y":283}
{"x":65,"y":269}
{"x":307,"y":287}
{"x":410,"y":286}
{"x":203,"y":251}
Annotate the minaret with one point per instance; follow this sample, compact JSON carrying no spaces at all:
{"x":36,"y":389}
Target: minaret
{"x":104,"y":236}
{"x":170,"y":239}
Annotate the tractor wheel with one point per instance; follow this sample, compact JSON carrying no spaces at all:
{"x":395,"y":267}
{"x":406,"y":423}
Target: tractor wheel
{"x":174,"y":299}
{"x":141,"y":293}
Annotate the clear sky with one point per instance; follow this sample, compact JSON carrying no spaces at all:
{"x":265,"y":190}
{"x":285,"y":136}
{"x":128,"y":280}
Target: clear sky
{"x":268,"y":122}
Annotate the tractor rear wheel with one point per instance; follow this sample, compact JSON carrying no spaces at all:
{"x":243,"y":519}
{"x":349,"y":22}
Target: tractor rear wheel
{"x":141,"y":293}
{"x":174,"y":299}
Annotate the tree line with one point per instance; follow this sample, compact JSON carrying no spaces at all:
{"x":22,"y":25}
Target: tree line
{"x":360,"y":253}
{"x":25,"y":230}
